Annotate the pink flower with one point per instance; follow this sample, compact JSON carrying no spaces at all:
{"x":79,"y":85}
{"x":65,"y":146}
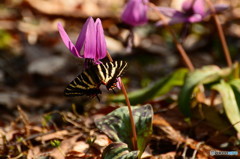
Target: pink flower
{"x":135,"y":12}
{"x":192,"y":11}
{"x":90,"y":43}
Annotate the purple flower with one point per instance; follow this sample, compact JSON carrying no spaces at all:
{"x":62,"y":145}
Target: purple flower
{"x":192,"y":11}
{"x":135,"y":12}
{"x":90,"y":44}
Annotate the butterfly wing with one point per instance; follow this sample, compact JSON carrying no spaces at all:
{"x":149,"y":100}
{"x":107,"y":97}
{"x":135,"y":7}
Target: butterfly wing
{"x":110,"y":71}
{"x":87,"y":83}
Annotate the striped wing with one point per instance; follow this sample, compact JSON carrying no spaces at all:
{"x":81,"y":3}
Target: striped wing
{"x":89,"y":81}
{"x":110,"y":71}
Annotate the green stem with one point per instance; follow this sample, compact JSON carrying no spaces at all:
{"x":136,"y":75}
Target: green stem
{"x":60,"y":150}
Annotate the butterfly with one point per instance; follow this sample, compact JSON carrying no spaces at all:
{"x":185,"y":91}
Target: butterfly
{"x":89,"y":81}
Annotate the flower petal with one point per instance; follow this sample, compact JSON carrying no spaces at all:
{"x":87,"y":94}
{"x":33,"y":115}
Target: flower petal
{"x":135,"y":13}
{"x":89,"y":50}
{"x":160,"y":23}
{"x":82,"y":36}
{"x":169,"y":12}
{"x":195,"y":18}
{"x":198,"y":7}
{"x":101,"y":48}
{"x":221,"y":7}
{"x":177,"y":18}
{"x":118,"y":84}
{"x":66,"y":40}
{"x":187,"y":5}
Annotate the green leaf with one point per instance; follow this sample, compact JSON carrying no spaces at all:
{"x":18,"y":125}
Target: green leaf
{"x":235,"y":84}
{"x":6,"y":39}
{"x":161,"y":87}
{"x":116,"y":125}
{"x":205,"y":75}
{"x":229,"y":103}
{"x":55,"y":143}
{"x":117,"y":150}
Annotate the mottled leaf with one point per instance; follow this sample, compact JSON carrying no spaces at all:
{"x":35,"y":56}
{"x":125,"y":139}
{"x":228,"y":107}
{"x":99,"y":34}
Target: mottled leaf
{"x":205,"y":75}
{"x":229,"y":103}
{"x":116,"y":125}
{"x":119,"y":150}
{"x":161,"y":87}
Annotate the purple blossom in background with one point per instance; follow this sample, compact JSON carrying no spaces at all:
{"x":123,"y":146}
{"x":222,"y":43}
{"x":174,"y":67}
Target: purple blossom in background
{"x":192,"y":11}
{"x":90,"y":44}
{"x":135,"y":12}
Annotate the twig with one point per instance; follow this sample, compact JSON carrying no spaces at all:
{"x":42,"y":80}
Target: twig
{"x":221,"y":131}
{"x":23,"y":116}
{"x":184,"y":151}
{"x":195,"y":151}
{"x":26,"y":122}
{"x":134,"y":133}
{"x":18,"y":156}
{"x":220,"y":33}
{"x":60,"y":150}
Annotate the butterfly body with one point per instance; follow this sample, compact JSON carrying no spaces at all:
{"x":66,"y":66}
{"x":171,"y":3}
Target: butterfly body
{"x":89,"y":81}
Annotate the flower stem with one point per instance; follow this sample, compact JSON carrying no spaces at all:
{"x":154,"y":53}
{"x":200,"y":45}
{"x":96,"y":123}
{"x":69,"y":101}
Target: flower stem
{"x":134,"y":133}
{"x":177,"y":43}
{"x":220,"y":33}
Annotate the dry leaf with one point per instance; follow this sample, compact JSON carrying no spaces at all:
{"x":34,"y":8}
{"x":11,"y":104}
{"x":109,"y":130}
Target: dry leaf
{"x":65,"y":146}
{"x":55,"y":135}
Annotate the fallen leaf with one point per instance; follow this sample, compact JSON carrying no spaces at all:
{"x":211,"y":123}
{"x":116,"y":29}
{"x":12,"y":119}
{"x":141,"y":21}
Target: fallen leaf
{"x":55,"y":135}
{"x":65,"y":146}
